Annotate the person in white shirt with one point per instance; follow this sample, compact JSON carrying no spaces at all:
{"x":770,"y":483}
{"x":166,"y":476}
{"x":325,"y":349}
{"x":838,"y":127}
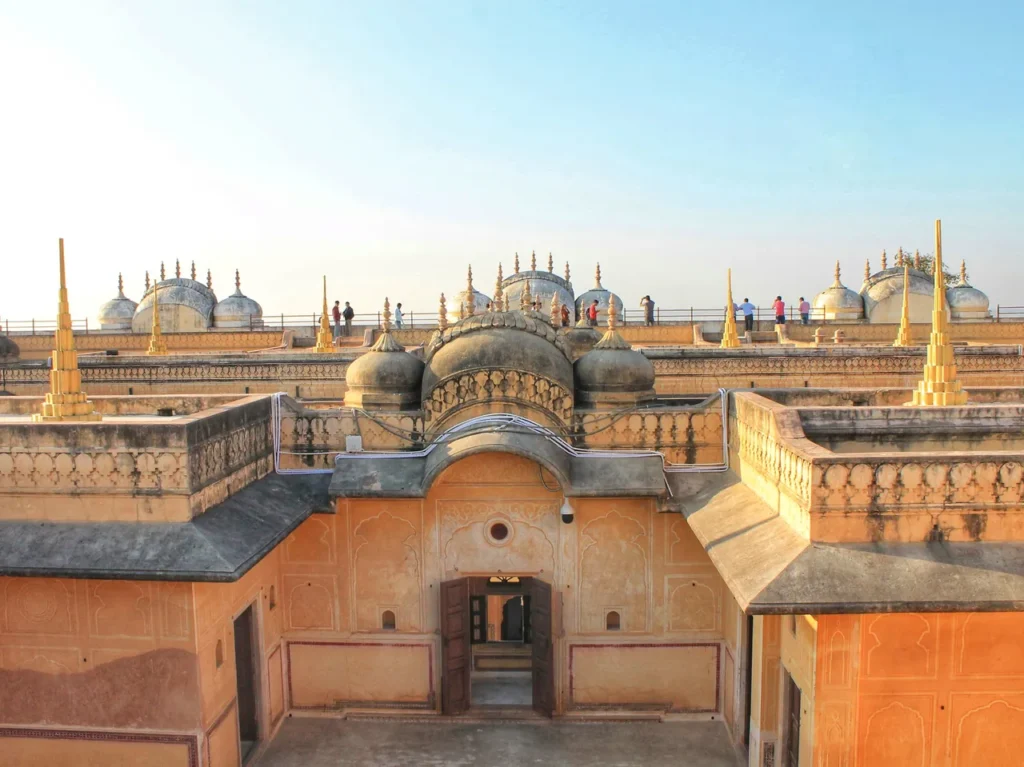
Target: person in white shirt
{"x":398,"y":316}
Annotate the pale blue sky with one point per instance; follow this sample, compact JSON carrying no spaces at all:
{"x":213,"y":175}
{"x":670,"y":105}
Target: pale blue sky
{"x":389,"y":144}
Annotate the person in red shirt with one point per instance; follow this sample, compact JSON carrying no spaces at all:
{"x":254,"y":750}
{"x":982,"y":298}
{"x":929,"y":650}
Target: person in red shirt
{"x":565,"y":316}
{"x":336,"y":313}
{"x":780,"y":310}
{"x":592,"y":314}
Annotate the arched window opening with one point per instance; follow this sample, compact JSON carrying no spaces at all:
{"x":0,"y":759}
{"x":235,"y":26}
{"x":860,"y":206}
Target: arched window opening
{"x":387,"y":620}
{"x":612,"y":622}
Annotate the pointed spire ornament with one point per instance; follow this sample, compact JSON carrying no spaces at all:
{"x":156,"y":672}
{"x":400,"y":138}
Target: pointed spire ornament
{"x":324,"y":338}
{"x":469,"y":307}
{"x":597,"y":278}
{"x":65,"y":401}
{"x":525,"y":298}
{"x":157,"y":344}
{"x":496,"y":303}
{"x":730,"y":338}
{"x":147,"y":280}
{"x":120,"y":285}
{"x":963,"y":274}
{"x":837,"y":283}
{"x":904,"y":337}
{"x":533,"y":261}
{"x":162,"y":277}
{"x":442,"y":315}
{"x":193,"y":271}
{"x":551,"y":262}
{"x":899,"y":257}
{"x":516,"y":266}
{"x":209,"y":279}
{"x":612,"y":339}
{"x":867,"y":269}
{"x":556,"y":310}
{"x":567,"y":271}
{"x":506,"y":306}
{"x":387,"y":342}
{"x":885,"y":261}
{"x":917,"y":260}
{"x":939,"y":385}
{"x":177,"y":269}
{"x":238,"y":283}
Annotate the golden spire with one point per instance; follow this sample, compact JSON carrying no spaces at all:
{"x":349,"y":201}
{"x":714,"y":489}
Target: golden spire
{"x":209,"y":279}
{"x":193,"y":271}
{"x":597,"y":278}
{"x":867,"y":269}
{"x":556,"y":310}
{"x":177,"y":268}
{"x":917,"y":260}
{"x":612,"y":339}
{"x":442,"y":315}
{"x":533,"y":261}
{"x":496,"y":303}
{"x":238,"y":282}
{"x":551,"y":262}
{"x":904,"y":337}
{"x":147,"y":279}
{"x":387,"y":342}
{"x":885,"y":261}
{"x":566,"y":271}
{"x":469,"y":305}
{"x":65,"y":401}
{"x":939,"y":385}
{"x":516,"y":267}
{"x":525,"y":298}
{"x":157,"y":344}
{"x":324,"y":339}
{"x":162,"y":273}
{"x":963,"y":273}
{"x":730,"y":339}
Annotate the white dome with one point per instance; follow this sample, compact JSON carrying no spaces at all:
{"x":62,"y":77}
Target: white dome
{"x":543,"y":286}
{"x":838,"y":302}
{"x":237,"y":310}
{"x":604,"y":298}
{"x":117,"y":313}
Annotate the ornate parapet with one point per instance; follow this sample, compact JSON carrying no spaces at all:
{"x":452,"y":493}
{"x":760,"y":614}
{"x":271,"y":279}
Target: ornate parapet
{"x":131,"y":466}
{"x":39,"y":346}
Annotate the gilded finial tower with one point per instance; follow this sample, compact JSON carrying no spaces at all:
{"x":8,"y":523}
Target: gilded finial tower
{"x":515,"y":265}
{"x":65,"y":401}
{"x":469,"y":305}
{"x":442,"y":315}
{"x":120,"y":285}
{"x":209,"y":279}
{"x":533,"y":261}
{"x":496,"y":303}
{"x":157,"y":344}
{"x":387,"y":342}
{"x":507,"y":306}
{"x":193,"y":271}
{"x":899,"y":256}
{"x":526,"y":298}
{"x":162,"y":272}
{"x":324,"y":339}
{"x":597,"y":278}
{"x":612,"y":339}
{"x":963,"y":273}
{"x":730,"y":338}
{"x":556,"y":310}
{"x":147,"y":279}
{"x":567,"y":271}
{"x":238,"y":282}
{"x":867,"y":269}
{"x":904,"y":337}
{"x":917,"y":260}
{"x":177,"y":268}
{"x":939,"y":385}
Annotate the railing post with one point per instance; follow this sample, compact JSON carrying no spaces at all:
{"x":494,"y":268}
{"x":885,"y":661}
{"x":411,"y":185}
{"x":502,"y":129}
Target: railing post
{"x":997,"y":312}
{"x":412,"y":320}
{"x":87,"y":326}
{"x":34,"y":325}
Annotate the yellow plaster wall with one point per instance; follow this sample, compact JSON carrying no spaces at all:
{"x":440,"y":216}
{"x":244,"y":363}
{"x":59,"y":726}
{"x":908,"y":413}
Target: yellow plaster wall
{"x":797,"y":651}
{"x":920,"y":689}
{"x":107,"y":749}
{"x":765,"y":692}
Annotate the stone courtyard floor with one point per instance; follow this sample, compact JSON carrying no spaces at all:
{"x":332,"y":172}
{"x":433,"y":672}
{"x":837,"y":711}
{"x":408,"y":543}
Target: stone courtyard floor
{"x":340,"y":743}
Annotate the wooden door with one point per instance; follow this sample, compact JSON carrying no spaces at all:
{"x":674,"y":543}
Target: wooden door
{"x":543,"y":648}
{"x":245,"y":680}
{"x":792,"y":723}
{"x":456,"y":653}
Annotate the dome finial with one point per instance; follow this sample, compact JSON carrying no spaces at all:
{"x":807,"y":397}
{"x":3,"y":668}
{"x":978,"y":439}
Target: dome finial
{"x":387,"y":315}
{"x":209,"y":279}
{"x":496,"y":303}
{"x":556,"y":310}
{"x":177,"y":268}
{"x":387,"y":342}
{"x":837,"y":283}
{"x":162,"y":273}
{"x":613,"y":316}
{"x":917,"y":260}
{"x":885,"y":261}
{"x":899,"y":256}
{"x":597,"y":278}
{"x":147,"y":279}
{"x":963,"y":272}
{"x":551,"y":262}
{"x":525,"y":298}
{"x":442,"y":315}
{"x":516,"y":266}
{"x":193,"y":271}
{"x":507,"y":306}
{"x":533,"y":261}
{"x":238,"y":282}
{"x":867,"y":269}
{"x":120,"y":285}
{"x":469,"y":306}
{"x":566,"y":271}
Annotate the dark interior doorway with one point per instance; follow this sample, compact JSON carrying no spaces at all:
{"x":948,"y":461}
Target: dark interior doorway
{"x":792,"y":755}
{"x":245,"y":679}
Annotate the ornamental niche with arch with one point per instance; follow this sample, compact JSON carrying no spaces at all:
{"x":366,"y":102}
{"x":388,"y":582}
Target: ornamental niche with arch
{"x":469,"y":542}
{"x":614,"y":572}
{"x":386,"y":571}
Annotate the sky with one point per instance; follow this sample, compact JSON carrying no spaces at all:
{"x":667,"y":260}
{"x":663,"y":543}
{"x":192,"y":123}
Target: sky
{"x":387,"y":145}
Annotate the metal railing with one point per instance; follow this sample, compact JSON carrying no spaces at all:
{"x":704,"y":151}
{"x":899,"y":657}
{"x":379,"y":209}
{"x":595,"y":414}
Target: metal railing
{"x":309,"y":323}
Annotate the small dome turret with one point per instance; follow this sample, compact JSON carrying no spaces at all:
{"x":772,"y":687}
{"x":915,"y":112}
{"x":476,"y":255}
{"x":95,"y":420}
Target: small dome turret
{"x":469,"y":301}
{"x":185,"y":305}
{"x":116,"y":314}
{"x":967,"y":302}
{"x":604,"y":297}
{"x":838,"y":303}
{"x":386,"y":377}
{"x":237,"y":310}
{"x":613,"y":374}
